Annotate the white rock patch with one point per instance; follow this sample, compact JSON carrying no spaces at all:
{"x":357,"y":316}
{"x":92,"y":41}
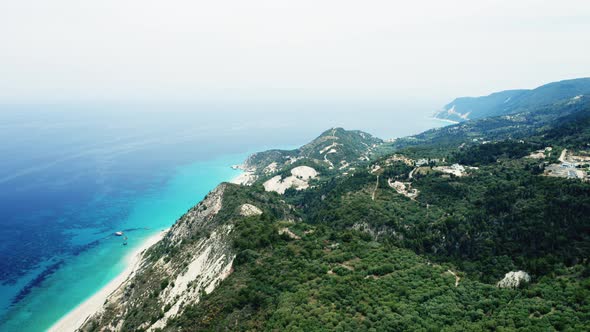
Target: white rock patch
{"x":271,"y":168}
{"x":304,"y":172}
{"x":455,"y":169}
{"x":375,"y":168}
{"x":329,"y":148}
{"x":289,"y":233}
{"x":210,"y":265}
{"x":248,"y":210}
{"x":244,"y":179}
{"x":292,"y":160}
{"x":514,"y":279}
{"x":299,"y":180}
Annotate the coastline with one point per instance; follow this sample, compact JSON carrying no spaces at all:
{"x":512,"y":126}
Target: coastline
{"x":444,"y":120}
{"x":76,"y":317}
{"x":245,"y":179}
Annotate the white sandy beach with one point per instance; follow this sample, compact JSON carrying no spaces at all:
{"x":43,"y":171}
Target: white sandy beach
{"x":244,"y":179}
{"x":75,"y":318}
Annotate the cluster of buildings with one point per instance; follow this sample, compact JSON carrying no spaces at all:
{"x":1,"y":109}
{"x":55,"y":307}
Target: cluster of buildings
{"x":571,"y":166}
{"x":404,"y":188}
{"x":454,"y":169}
{"x":426,"y":161}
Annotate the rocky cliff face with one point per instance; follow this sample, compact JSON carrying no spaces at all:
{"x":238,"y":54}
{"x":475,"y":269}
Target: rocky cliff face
{"x":211,"y":262}
{"x":514,"y":279}
{"x":191,"y":260}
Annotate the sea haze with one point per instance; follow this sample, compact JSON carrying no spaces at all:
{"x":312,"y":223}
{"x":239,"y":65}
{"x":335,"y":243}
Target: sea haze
{"x":72,"y":175}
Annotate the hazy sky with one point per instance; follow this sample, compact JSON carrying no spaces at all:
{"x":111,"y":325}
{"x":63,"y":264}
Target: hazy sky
{"x":145,"y":50}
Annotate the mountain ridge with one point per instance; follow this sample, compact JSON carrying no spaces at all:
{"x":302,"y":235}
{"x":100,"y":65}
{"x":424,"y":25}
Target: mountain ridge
{"x":511,"y":101}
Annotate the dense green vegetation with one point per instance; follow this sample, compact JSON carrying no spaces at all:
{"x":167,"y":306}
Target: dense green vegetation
{"x":345,"y":281}
{"x":503,"y":217}
{"x":371,"y":259}
{"x":485,"y":154}
{"x":528,"y":125}
{"x":572,"y":131}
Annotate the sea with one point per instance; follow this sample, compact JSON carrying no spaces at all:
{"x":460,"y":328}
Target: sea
{"x":73,"y":174}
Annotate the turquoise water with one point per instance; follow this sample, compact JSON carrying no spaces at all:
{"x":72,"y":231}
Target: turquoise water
{"x":83,"y":275}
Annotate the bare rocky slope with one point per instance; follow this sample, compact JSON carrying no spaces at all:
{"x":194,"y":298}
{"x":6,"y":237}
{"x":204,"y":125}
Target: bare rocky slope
{"x":191,"y":260}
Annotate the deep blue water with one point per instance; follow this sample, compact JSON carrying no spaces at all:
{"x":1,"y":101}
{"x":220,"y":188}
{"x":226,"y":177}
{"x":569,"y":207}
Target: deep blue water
{"x":70,"y":176}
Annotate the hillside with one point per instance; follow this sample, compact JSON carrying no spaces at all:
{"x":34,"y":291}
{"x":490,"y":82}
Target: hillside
{"x":512,"y":101}
{"x":518,"y":125}
{"x":477,"y":226}
{"x":334,"y":151}
{"x":333,"y":145}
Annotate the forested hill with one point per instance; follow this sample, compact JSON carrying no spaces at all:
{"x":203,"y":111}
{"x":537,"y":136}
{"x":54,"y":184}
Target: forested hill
{"x":479,"y":226}
{"x":335,"y":147}
{"x":511,"y":101}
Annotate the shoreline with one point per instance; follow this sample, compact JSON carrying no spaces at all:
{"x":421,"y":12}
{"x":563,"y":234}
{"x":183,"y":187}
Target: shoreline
{"x":244,"y":179}
{"x":78,"y":316}
{"x":444,"y":120}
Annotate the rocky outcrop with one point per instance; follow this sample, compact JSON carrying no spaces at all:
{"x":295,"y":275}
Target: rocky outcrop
{"x":210,"y":263}
{"x":375,"y":232}
{"x":245,"y":179}
{"x":286,"y":231}
{"x":199,"y":215}
{"x":298,"y":180}
{"x":514,"y":279}
{"x":248,"y":210}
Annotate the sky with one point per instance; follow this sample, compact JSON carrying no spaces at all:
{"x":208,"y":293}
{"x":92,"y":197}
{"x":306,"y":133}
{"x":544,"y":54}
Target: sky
{"x":279,"y":51}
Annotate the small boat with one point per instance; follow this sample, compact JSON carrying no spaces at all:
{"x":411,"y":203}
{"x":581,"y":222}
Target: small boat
{"x":125,"y":243}
{"x":118,"y":233}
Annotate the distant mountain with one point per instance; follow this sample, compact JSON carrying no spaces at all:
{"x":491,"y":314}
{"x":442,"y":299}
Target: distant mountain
{"x":517,"y":125}
{"x":512,"y":101}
